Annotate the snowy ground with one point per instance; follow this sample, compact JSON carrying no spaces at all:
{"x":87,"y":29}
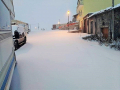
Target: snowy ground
{"x":57,"y":60}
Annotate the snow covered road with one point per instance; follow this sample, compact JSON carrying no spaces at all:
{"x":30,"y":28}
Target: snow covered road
{"x":57,"y":60}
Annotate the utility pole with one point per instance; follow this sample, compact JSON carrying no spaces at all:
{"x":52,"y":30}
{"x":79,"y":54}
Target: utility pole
{"x":113,"y":18}
{"x":68,"y":22}
{"x":68,"y":19}
{"x":38,"y":26}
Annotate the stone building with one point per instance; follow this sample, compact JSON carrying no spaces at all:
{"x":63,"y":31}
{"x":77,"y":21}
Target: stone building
{"x":100,"y":23}
{"x":89,"y":6}
{"x":86,"y":23}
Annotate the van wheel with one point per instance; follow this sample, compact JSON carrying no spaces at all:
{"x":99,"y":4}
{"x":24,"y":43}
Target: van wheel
{"x":16,"y":45}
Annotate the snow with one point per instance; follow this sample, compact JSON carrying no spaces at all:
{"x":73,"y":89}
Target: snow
{"x":104,"y":10}
{"x":101,"y":11}
{"x":58,"y":60}
{"x":118,"y":5}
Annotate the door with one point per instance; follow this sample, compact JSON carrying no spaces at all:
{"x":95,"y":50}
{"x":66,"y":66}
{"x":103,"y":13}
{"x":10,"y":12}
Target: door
{"x":91,"y":27}
{"x":85,"y":26}
{"x":105,"y":32}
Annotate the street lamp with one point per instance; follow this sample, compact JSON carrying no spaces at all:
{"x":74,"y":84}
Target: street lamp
{"x":68,"y":12}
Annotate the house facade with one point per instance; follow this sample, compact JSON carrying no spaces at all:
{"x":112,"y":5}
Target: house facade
{"x":100,"y":23}
{"x":80,"y":15}
{"x":85,"y":7}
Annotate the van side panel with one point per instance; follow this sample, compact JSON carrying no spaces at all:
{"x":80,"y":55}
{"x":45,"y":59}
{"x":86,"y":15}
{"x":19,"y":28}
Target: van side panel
{"x":6,"y":57}
{"x":7,"y":60}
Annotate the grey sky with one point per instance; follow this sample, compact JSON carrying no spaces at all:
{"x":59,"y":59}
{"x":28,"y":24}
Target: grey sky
{"x":45,"y":12}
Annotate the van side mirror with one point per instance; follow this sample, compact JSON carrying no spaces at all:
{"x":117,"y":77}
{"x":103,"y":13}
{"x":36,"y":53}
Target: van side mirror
{"x":16,"y":34}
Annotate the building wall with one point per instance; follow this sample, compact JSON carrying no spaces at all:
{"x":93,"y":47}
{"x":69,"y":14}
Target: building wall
{"x":92,"y":26}
{"x":97,"y":5}
{"x":117,"y":23}
{"x":54,"y":27}
{"x":103,"y":21}
{"x":90,"y":6}
{"x":80,"y":10}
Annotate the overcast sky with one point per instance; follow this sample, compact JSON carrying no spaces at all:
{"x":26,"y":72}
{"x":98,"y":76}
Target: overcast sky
{"x":44,"y":12}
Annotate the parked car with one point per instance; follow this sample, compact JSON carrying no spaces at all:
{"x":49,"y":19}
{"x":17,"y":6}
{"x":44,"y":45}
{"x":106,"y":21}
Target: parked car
{"x":19,"y":35}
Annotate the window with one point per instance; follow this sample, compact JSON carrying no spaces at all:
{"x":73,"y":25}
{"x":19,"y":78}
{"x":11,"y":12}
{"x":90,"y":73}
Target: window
{"x":80,"y":12}
{"x":4,"y":17}
{"x":81,"y":2}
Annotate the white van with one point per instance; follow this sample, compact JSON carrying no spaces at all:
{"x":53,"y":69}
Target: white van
{"x":7,"y":54}
{"x":26,"y":27}
{"x":19,"y":35}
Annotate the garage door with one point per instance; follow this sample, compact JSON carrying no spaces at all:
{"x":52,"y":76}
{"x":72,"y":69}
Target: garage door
{"x":105,"y":32}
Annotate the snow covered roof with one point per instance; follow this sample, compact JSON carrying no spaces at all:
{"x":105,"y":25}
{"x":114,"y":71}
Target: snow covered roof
{"x":75,"y":15}
{"x":118,"y":5}
{"x":104,"y":10}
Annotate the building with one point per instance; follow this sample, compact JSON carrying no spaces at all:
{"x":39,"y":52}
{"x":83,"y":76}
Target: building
{"x":64,"y":26}
{"x":55,"y":26}
{"x":85,"y":7}
{"x":71,"y":26}
{"x":74,"y":18}
{"x":100,"y":23}
{"x":79,"y":10}
{"x":86,"y":23}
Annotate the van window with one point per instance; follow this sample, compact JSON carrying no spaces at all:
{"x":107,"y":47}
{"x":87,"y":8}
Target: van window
{"x":4,"y":18}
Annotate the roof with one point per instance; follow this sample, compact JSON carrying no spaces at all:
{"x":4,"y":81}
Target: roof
{"x":75,"y":15}
{"x":87,"y":15}
{"x":104,"y":10}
